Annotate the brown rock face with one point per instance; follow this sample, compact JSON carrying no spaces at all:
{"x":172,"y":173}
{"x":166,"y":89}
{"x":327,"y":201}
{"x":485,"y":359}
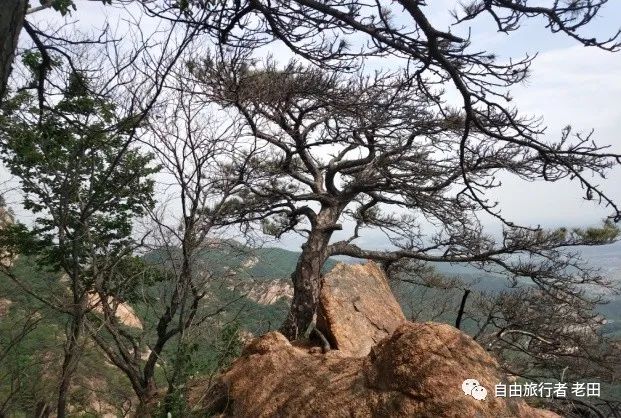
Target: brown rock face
{"x":417,"y":372}
{"x":357,"y":308}
{"x":124,"y":313}
{"x":7,"y":258}
{"x":5,"y":304}
{"x":271,"y":292}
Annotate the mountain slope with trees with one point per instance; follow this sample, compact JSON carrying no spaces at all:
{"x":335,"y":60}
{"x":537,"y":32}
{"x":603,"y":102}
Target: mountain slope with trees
{"x":136,"y":148}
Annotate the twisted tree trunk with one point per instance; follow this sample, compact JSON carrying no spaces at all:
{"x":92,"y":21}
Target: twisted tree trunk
{"x":147,"y":400}
{"x":12,"y":13}
{"x":307,"y":275}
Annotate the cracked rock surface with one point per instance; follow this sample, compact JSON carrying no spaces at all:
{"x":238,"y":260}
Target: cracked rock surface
{"x":357,"y":308}
{"x":416,"y":372}
{"x":383,"y":365}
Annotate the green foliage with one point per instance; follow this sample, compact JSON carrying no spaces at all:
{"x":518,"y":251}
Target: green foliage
{"x":67,"y":6}
{"x":274,"y":226}
{"x":85,"y":183}
{"x":268,"y":263}
{"x":31,"y":359}
{"x":607,"y":233}
{"x":193,"y":357}
{"x":131,"y":276}
{"x":64,"y":6}
{"x":32,"y":60}
{"x":175,"y":402}
{"x":228,"y":346}
{"x":18,"y":239}
{"x":83,"y":179}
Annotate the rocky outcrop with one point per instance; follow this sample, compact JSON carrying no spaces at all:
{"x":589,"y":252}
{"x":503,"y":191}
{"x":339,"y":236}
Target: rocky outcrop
{"x":383,"y":366}
{"x":5,"y":304}
{"x":250,"y":262}
{"x":270,"y":292}
{"x":123,"y":311}
{"x":7,"y":258}
{"x":417,"y":372}
{"x":357,"y":308}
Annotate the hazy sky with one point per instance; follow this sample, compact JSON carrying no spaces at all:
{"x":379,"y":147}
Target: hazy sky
{"x":569,"y":84}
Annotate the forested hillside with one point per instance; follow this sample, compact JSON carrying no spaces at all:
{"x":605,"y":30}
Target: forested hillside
{"x":448,"y":172}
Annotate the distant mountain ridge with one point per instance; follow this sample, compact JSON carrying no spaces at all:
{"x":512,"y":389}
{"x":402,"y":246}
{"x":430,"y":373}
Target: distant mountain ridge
{"x":223,"y":257}
{"x":263,"y":275}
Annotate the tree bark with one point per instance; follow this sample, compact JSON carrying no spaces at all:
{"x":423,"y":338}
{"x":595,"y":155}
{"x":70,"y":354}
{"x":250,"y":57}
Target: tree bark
{"x":462,"y":306}
{"x":42,"y":410}
{"x":71,"y":356}
{"x":12,"y":13}
{"x":307,"y":275}
{"x":146,"y":400}
{"x":68,"y":368}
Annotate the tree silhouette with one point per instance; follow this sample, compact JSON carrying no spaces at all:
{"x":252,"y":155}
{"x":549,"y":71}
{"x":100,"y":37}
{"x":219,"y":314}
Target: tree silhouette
{"x":374,"y":149}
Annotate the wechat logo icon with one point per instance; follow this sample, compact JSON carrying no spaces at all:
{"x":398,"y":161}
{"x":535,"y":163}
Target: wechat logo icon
{"x":472,"y":387}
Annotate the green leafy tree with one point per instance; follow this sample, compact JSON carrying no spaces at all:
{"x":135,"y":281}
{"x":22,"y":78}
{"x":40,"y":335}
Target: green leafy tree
{"x":85,"y":181}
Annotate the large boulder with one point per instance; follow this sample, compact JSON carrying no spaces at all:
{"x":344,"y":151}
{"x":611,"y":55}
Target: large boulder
{"x":417,"y":372}
{"x":357,"y":309}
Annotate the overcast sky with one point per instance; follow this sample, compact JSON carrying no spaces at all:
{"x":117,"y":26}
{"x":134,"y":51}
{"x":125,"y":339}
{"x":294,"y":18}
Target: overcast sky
{"x":569,"y":84}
